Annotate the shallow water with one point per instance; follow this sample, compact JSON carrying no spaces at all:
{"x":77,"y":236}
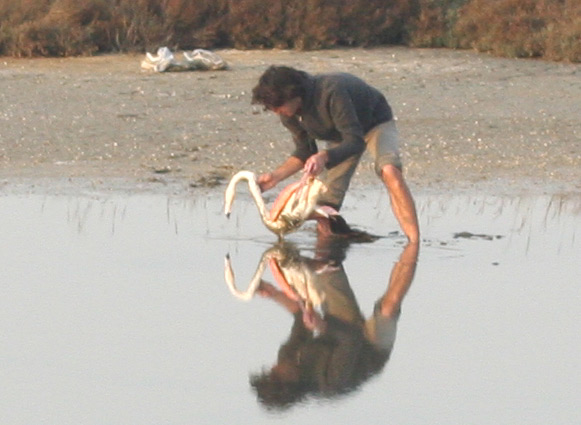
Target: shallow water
{"x":115,"y":310}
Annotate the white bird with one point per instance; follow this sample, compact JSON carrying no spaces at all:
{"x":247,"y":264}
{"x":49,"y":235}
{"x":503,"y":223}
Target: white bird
{"x":293,"y":206}
{"x":296,"y":277}
{"x":294,"y":274}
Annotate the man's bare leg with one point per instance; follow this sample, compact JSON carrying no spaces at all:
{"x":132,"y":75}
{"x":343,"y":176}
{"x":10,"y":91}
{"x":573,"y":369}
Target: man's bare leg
{"x":402,"y":202}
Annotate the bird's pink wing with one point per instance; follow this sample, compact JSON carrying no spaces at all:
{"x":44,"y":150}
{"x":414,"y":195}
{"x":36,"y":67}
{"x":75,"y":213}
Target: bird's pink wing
{"x":282,"y":199}
{"x":281,"y":280}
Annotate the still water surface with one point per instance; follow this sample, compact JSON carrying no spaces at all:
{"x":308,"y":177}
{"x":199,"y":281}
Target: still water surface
{"x":115,"y":310}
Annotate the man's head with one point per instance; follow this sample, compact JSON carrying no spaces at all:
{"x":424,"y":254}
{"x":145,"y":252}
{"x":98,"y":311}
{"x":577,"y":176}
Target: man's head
{"x":281,"y":89}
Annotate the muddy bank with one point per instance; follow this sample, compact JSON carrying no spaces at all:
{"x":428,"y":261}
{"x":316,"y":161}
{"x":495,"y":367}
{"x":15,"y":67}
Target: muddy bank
{"x":468,"y":121}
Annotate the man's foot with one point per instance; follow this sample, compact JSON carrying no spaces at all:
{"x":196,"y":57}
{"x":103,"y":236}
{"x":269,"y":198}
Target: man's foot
{"x":336,"y":226}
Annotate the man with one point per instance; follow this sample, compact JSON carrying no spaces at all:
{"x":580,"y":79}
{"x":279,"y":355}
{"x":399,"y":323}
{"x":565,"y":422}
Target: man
{"x":351,"y":116}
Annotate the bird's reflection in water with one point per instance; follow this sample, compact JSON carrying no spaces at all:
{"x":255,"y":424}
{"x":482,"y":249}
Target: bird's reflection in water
{"x":332,"y":348}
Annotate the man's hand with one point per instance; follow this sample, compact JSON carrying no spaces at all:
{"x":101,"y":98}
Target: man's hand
{"x":316,"y":163}
{"x":288,"y":168}
{"x":266,"y":181}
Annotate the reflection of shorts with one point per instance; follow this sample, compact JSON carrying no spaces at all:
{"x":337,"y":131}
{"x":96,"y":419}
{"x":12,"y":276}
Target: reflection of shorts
{"x":381,"y":330}
{"x":382,"y":143}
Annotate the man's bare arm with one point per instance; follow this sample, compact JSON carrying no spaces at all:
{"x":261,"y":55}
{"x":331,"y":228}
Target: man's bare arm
{"x":286,"y":169}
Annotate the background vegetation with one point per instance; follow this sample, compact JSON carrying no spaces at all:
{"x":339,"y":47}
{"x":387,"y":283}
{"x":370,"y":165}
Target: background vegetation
{"x":549,"y":29}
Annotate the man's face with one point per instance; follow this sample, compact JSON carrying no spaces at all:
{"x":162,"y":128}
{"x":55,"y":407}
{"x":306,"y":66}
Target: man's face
{"x":289,"y":108}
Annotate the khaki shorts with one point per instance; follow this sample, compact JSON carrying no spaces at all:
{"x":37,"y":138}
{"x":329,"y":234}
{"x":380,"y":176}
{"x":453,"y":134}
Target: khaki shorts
{"x":382,"y":143}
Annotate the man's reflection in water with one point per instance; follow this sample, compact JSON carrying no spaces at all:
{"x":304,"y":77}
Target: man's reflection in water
{"x":332,"y":348}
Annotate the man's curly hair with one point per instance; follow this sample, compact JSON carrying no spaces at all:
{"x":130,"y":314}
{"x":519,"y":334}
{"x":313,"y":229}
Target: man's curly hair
{"x":279,"y":84}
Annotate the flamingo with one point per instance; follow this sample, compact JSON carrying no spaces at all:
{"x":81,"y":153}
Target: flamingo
{"x":293,"y":274}
{"x":295,"y":277}
{"x":293,"y":206}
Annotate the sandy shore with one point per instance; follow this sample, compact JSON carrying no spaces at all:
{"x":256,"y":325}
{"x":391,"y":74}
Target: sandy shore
{"x":468,"y":121}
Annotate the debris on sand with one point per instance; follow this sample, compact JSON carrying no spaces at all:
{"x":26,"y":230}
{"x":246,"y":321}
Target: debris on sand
{"x":211,"y":180}
{"x":199,"y":59}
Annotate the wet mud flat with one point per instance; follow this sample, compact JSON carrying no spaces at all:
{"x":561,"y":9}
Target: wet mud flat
{"x":115,"y":309}
{"x":467,"y":121}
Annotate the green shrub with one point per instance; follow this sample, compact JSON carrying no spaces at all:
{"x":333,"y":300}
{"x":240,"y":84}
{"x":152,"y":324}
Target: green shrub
{"x":192,"y":24}
{"x":521,"y":28}
{"x":563,"y":34}
{"x":516,"y":28}
{"x":434,"y":24}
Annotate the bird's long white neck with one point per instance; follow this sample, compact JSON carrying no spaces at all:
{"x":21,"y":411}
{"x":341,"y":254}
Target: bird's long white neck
{"x":254,"y":283}
{"x":255,"y":191}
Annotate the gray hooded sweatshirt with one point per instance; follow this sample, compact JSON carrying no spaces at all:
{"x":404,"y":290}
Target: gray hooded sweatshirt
{"x":339,"y":108}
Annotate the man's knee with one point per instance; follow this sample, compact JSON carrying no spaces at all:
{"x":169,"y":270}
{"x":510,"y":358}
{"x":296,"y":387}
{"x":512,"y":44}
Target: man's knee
{"x":391,"y":175}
